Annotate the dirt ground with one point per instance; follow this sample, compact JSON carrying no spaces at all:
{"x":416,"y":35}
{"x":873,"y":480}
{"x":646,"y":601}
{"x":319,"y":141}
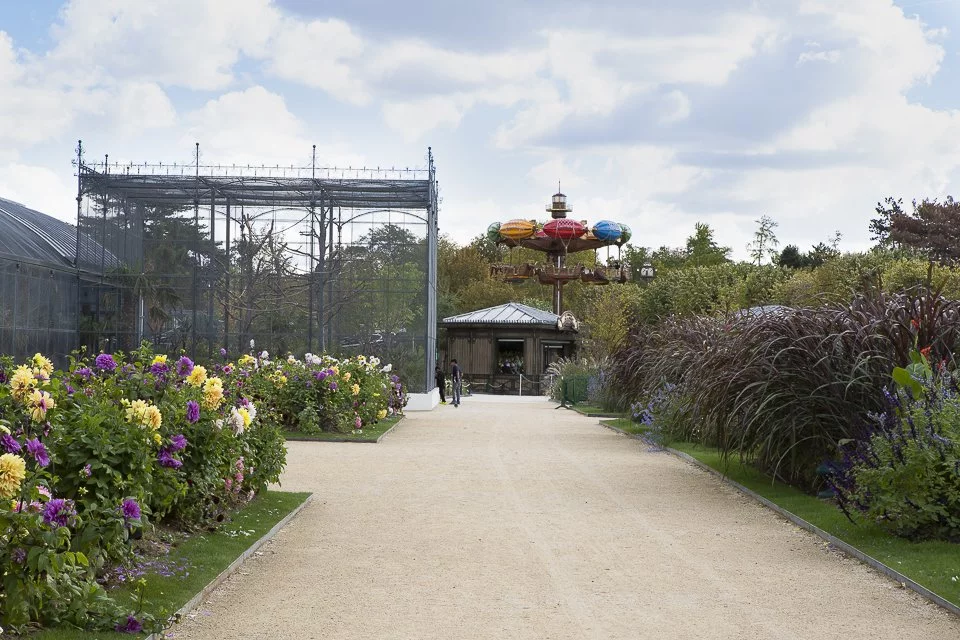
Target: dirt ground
{"x":505,"y":518}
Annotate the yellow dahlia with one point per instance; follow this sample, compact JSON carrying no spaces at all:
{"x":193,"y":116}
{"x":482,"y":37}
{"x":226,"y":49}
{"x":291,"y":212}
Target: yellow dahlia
{"x":381,"y":414}
{"x":12,"y":472}
{"x":355,"y":389}
{"x":22,"y":382}
{"x":198,"y":376}
{"x":43,"y":364}
{"x":160,"y":359}
{"x":152,"y":417}
{"x":212,"y":393}
{"x":137,"y":412}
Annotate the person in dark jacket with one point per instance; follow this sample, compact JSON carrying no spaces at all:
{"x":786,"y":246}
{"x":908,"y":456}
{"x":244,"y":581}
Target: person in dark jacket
{"x":457,"y":375}
{"x":441,"y":379}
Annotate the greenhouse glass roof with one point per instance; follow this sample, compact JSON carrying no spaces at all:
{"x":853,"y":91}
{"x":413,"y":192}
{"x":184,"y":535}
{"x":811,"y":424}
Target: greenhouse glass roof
{"x":34,"y":237}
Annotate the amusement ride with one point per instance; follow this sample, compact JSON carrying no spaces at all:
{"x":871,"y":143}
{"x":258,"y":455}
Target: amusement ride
{"x":556,"y":239}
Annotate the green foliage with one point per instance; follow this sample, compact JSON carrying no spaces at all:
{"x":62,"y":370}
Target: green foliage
{"x":932,"y":229}
{"x":880,"y":226}
{"x":702,"y":249}
{"x":722,"y":288}
{"x":765,"y":241}
{"x":93,"y":456}
{"x":904,"y":473}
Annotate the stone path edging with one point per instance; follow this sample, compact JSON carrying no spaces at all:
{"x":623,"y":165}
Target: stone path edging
{"x":195,"y":601}
{"x":846,"y":548}
{"x":384,"y":434}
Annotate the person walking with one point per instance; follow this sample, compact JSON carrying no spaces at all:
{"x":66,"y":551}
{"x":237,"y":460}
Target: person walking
{"x":457,"y":376}
{"x":441,"y":383}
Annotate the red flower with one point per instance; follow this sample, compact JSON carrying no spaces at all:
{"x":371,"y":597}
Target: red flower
{"x":925,"y":352}
{"x":915,"y":324}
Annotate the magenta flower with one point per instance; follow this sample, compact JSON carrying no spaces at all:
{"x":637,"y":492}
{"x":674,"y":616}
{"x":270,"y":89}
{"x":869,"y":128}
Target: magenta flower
{"x":193,"y":411}
{"x":9,"y":443}
{"x":38,"y":451}
{"x":184,"y":366}
{"x":58,"y":512}
{"x":105,"y":362}
{"x":130,"y":509}
{"x":130,"y":625}
{"x":178,"y":442}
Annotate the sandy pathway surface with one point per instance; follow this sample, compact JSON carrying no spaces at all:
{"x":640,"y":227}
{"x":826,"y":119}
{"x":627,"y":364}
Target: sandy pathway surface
{"x":505,"y":518}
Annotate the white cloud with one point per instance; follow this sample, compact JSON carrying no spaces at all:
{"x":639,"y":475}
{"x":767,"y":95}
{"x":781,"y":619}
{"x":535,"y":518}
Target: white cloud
{"x":139,"y":106}
{"x":556,"y":169}
{"x":319,"y":54}
{"x":831,"y":56}
{"x":416,"y":117}
{"x":40,"y":188}
{"x":255,"y":126}
{"x":674,"y":107}
{"x":187,"y":43}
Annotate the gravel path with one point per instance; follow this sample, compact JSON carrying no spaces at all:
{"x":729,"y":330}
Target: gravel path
{"x":505,"y":518}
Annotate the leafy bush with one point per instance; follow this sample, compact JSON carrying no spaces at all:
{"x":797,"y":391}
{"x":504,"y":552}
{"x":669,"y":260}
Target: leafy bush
{"x":93,"y":456}
{"x":662,"y":412}
{"x":586,"y":379}
{"x":904,"y":472}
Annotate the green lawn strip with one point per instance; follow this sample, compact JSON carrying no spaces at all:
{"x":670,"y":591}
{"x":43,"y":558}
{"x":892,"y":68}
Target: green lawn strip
{"x":935,"y":565}
{"x":594,"y":411}
{"x":206,"y":554}
{"x":370,"y":433}
{"x":626,"y":425}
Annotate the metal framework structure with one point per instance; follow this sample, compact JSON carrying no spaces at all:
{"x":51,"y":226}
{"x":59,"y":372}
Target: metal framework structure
{"x":296,"y":259}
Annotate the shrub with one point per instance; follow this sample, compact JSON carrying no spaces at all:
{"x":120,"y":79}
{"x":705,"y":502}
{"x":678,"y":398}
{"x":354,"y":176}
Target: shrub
{"x":904,"y":471}
{"x":93,"y":456}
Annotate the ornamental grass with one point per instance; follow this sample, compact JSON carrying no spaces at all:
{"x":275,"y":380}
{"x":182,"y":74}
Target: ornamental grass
{"x":783,"y":390}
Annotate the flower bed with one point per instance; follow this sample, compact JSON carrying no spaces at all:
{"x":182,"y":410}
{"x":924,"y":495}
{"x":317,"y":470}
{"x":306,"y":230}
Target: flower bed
{"x":95,"y":457}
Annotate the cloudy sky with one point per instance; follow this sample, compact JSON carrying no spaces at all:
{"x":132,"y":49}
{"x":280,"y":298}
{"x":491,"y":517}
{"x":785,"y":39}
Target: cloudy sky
{"x":712,"y":110}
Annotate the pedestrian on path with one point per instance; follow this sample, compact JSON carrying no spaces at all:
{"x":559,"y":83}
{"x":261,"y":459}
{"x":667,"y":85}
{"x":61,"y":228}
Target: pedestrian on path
{"x":441,"y":379}
{"x":457,"y":376}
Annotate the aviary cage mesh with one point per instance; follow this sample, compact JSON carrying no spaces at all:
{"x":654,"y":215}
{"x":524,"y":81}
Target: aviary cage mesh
{"x":294,"y":259}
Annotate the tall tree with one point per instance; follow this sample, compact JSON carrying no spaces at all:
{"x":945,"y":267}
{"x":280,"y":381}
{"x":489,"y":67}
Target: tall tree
{"x":765,"y":241}
{"x":702,"y":249}
{"x":792,"y":258}
{"x":880,"y":226}
{"x":933,"y":229}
